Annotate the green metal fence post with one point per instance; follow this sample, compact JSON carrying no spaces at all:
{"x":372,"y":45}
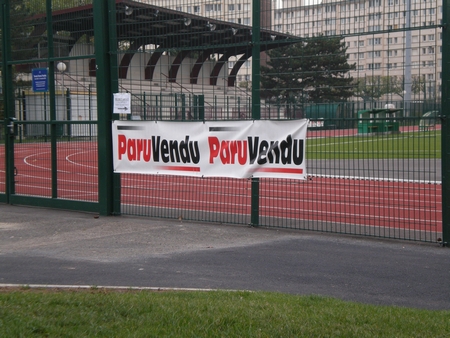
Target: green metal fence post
{"x":68,"y":113}
{"x":175,"y":106}
{"x":195,"y":112}
{"x":90,"y":110}
{"x":239,"y":106}
{"x":201,"y":107}
{"x":107,"y":84}
{"x":52,"y":100}
{"x":183,"y":106}
{"x":8,"y":99}
{"x":145,"y":105}
{"x":256,"y":100}
{"x":45,"y":117}
{"x":445,"y":138}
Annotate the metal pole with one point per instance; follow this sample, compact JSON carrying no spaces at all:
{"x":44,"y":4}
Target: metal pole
{"x":407,"y":70}
{"x":8,"y":100}
{"x":52,"y":101}
{"x":61,"y":66}
{"x":68,"y":113}
{"x":107,"y":84}
{"x":256,"y":98}
{"x":445,"y":138}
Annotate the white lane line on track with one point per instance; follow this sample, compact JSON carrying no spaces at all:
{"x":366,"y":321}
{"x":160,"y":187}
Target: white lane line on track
{"x":26,"y":160}
{"x":79,"y":164}
{"x":59,"y":179}
{"x":299,"y":210}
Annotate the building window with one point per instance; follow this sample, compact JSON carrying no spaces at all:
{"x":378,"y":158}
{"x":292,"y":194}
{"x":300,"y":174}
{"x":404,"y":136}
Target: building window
{"x":391,"y":53}
{"x":374,"y":16}
{"x":374,"y":28}
{"x":330,"y":8}
{"x":372,"y":66}
{"x":374,"y":41}
{"x":213,"y":8}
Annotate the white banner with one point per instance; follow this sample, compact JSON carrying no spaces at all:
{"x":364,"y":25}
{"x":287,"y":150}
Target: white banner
{"x":239,"y":149}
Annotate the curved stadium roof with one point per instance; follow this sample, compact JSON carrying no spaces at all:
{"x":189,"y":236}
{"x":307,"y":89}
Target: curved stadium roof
{"x":141,"y":24}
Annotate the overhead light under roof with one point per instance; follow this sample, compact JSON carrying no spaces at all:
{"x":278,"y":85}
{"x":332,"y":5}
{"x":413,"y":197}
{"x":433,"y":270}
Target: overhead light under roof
{"x":128,"y":10}
{"x":187,"y":21}
{"x":211,"y":26}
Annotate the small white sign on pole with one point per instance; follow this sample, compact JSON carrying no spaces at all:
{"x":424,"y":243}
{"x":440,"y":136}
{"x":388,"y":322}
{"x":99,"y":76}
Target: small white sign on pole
{"x":122,"y":103}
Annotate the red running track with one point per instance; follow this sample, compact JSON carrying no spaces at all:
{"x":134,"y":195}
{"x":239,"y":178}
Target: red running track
{"x":402,"y":205}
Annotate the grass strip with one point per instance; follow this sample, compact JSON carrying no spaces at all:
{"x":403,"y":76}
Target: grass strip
{"x":103,"y":313}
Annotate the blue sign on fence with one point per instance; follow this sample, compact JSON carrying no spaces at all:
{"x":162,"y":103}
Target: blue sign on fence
{"x":39,"y":79}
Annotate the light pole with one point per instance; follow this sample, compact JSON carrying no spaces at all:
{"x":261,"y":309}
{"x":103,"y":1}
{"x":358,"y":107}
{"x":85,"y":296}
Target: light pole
{"x":61,"y":66}
{"x":407,"y":60}
{"x":404,"y":103}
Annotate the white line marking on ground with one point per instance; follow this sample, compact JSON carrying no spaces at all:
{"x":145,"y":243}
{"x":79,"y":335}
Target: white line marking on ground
{"x":95,"y":287}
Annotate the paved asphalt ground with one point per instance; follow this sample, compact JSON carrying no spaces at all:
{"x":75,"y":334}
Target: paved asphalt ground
{"x":54,"y":247}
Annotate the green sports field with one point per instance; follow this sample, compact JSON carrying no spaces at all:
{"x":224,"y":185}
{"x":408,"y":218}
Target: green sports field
{"x":408,"y":145}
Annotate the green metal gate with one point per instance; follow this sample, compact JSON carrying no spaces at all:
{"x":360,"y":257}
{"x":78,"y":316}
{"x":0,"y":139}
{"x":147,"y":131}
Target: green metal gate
{"x":50,"y":141}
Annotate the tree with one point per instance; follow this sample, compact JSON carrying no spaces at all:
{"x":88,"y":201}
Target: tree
{"x":314,"y":70}
{"x":40,"y":6}
{"x":394,"y":85}
{"x":22,"y":43}
{"x":418,"y":84}
{"x":369,"y":88}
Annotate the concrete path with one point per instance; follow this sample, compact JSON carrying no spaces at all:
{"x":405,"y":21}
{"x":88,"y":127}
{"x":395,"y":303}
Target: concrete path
{"x":54,"y":247}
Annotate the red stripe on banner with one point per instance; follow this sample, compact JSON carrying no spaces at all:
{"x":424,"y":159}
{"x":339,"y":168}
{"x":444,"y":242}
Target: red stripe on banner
{"x":180,"y":168}
{"x":281,"y":170}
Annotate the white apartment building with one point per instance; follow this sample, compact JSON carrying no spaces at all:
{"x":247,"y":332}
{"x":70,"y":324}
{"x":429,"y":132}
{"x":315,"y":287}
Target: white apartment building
{"x":399,"y":38}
